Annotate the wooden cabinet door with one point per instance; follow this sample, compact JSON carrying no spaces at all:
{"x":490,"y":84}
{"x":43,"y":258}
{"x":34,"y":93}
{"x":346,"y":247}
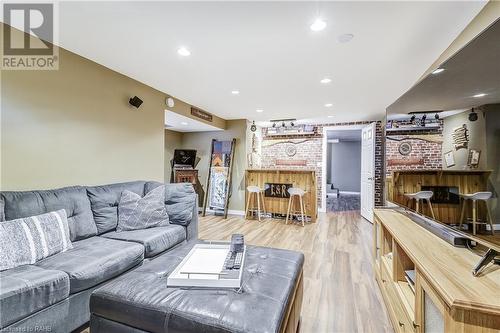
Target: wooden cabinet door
{"x":430,"y":308}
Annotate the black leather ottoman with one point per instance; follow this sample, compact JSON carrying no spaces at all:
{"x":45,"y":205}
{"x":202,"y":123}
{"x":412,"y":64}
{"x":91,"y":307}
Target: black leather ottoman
{"x":140,"y":301}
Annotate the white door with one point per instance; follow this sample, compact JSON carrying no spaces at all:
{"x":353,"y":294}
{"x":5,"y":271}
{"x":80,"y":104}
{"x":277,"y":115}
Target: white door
{"x":368,"y":171}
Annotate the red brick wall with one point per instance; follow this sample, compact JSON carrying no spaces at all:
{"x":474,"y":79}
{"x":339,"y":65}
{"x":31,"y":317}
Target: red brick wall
{"x":428,"y":151}
{"x":310,"y":149}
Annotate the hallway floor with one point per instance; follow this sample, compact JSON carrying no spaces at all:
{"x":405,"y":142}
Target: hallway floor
{"x":345,"y":202}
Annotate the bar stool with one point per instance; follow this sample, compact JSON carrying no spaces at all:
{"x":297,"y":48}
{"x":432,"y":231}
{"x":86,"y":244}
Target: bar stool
{"x":295,"y":193}
{"x":421,"y":196}
{"x":257,"y":194}
{"x":481,"y":196}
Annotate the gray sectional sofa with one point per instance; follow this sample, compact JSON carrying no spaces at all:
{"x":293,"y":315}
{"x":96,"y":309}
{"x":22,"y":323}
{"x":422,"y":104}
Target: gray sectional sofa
{"x":53,"y":294}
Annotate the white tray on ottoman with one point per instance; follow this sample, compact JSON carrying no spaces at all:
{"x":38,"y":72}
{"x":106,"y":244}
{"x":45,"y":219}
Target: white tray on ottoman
{"x":203,"y":267}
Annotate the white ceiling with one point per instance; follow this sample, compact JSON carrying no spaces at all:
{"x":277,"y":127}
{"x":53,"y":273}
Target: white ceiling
{"x":344,"y":135}
{"x":267,"y":51}
{"x":179,"y":123}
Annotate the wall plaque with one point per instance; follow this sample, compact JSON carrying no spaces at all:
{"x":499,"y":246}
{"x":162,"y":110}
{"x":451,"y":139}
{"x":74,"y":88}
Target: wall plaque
{"x":201,"y":114}
{"x":273,"y":190}
{"x":292,"y":162}
{"x":406,"y":161}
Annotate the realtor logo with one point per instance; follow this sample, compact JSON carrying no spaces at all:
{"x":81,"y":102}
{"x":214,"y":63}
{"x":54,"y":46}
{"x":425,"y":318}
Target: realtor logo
{"x":28,"y":37}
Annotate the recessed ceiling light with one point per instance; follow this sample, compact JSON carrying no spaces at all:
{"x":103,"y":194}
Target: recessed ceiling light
{"x":184,"y":123}
{"x":330,"y":116}
{"x":318,"y":25}
{"x":183,"y":51}
{"x":235,"y":92}
{"x":259,"y":110}
{"x":437,"y":71}
{"x":479,"y":95}
{"x":328,"y":105}
{"x":325,"y":80}
{"x":345,"y":38}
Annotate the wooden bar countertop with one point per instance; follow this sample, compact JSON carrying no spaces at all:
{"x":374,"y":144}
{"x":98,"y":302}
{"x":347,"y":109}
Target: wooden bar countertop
{"x":447,"y":268}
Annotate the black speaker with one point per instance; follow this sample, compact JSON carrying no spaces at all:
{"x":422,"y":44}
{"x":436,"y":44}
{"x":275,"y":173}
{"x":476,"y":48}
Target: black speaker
{"x":135,"y":101}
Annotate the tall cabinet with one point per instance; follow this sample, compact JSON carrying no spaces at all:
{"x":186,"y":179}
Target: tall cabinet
{"x":427,"y":284}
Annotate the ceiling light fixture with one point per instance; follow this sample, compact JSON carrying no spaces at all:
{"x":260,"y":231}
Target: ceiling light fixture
{"x":183,"y":51}
{"x":436,"y":116}
{"x":412,"y":119}
{"x":259,"y":110}
{"x":422,"y":121}
{"x":283,"y":124}
{"x":326,"y":80}
{"x":479,"y":95}
{"x":437,"y":71}
{"x":328,"y":105}
{"x":330,"y":116}
{"x":184,"y":123}
{"x":318,"y":25}
{"x":274,"y":125}
{"x":345,"y":38}
{"x":235,"y":92}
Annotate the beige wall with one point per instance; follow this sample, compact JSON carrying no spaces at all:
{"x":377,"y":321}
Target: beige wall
{"x":75,"y":126}
{"x":201,"y":141}
{"x":173,"y":140}
{"x":184,"y":109}
{"x":477,"y":139}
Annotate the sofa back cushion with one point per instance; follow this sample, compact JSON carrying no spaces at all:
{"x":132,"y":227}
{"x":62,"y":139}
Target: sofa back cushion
{"x":28,"y":240}
{"x":73,"y":200}
{"x":104,"y":201}
{"x":180,"y":200}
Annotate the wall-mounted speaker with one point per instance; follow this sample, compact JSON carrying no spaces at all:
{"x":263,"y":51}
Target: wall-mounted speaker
{"x":135,"y":101}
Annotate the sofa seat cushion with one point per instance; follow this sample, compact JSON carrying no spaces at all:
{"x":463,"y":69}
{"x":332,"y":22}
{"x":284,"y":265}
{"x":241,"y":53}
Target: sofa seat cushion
{"x":27,"y":289}
{"x":155,"y":240}
{"x":141,"y":298}
{"x":95,"y":260}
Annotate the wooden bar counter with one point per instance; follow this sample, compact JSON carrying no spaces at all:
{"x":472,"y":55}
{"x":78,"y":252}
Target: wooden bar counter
{"x":411,"y":181}
{"x":304,"y":179}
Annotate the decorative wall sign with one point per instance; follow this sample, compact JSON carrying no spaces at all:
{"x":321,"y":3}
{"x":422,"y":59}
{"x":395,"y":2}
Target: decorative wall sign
{"x":406,"y":161}
{"x":201,"y":114}
{"x":460,"y":137}
{"x":404,"y":148}
{"x":292,"y":162}
{"x":473,"y":158}
{"x":449,"y":159}
{"x":273,"y":190}
{"x":291,"y":150}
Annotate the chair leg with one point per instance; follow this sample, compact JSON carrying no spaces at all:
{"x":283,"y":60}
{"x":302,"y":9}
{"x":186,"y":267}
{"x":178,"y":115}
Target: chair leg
{"x":489,"y":217}
{"x":417,"y":202}
{"x":462,"y":213}
{"x":248,"y":204}
{"x":474,"y":216}
{"x":258,"y":205}
{"x":288,"y":210}
{"x":263,"y":204}
{"x":302,"y":210}
{"x":430,"y":207}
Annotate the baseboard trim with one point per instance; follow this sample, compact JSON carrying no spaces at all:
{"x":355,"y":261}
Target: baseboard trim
{"x":229,"y":212}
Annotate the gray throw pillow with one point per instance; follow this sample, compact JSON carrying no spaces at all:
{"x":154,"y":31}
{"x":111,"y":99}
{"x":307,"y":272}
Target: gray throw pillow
{"x":28,"y":240}
{"x":135,"y":212}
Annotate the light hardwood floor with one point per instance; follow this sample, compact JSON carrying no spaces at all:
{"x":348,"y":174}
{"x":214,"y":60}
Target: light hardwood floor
{"x":340,"y":291}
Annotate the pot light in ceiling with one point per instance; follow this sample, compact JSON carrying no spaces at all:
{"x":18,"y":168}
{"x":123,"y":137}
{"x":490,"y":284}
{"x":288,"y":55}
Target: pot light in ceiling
{"x":184,"y":123}
{"x":259,"y":110}
{"x":183,"y":51}
{"x":330,"y":116}
{"x":345,"y":38}
{"x":326,"y":80}
{"x":479,"y":95}
{"x":318,"y":25}
{"x":235,"y":92}
{"x":437,"y":71}
{"x":328,"y":105}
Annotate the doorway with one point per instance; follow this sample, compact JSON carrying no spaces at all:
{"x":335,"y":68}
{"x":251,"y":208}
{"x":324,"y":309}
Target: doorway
{"x":343,"y":170}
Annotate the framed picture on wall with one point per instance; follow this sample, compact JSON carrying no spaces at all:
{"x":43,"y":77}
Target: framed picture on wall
{"x":449,"y":159}
{"x":473,"y":159}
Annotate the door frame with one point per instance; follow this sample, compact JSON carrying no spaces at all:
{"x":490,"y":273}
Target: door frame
{"x":324,"y":163}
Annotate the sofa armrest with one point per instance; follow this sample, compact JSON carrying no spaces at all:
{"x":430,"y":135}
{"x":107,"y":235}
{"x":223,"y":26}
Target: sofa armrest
{"x":192,"y":227}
